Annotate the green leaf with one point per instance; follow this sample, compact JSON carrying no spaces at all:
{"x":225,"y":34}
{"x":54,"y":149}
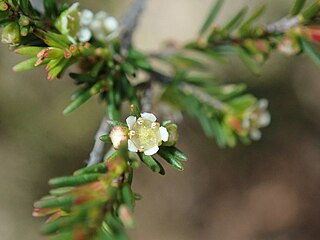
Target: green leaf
{"x":60,"y":191}
{"x":97,"y":68}
{"x":249,"y":61}
{"x":128,"y":68}
{"x":53,"y":39}
{"x":311,"y":51}
{"x":219,"y":133}
{"x":128,"y":196}
{"x":26,"y":7}
{"x":61,"y":202}
{"x":241,"y":103}
{"x":62,"y":223}
{"x":50,"y":7}
{"x":105,"y":138}
{"x":29,"y":51}
{"x":153,"y":164}
{"x":185,"y":62}
{"x":256,"y":14}
{"x":57,"y":67}
{"x":234,"y":22}
{"x":211,"y":53}
{"x":96,"y":168}
{"x":174,"y":152}
{"x":170,"y":158}
{"x":25,"y":65}
{"x":82,"y":98}
{"x":211,"y":17}
{"x":69,"y":181}
{"x":81,"y":77}
{"x":311,"y":11}
{"x":297,"y":7}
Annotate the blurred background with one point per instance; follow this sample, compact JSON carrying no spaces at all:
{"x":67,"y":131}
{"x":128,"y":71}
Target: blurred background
{"x":266,"y":191}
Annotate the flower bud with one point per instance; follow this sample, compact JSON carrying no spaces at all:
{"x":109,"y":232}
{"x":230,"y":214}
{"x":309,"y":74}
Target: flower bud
{"x":173,"y":135}
{"x":24,"y":31}
{"x":289,"y":46}
{"x":24,"y":21}
{"x":3,"y":6}
{"x":126,"y":216}
{"x":235,"y":123}
{"x":119,"y":135}
{"x":11,"y":34}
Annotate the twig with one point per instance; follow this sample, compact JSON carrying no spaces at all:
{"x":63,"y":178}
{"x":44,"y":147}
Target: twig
{"x":146,"y":100}
{"x":97,"y":151}
{"x":129,"y":23}
{"x":203,"y":96}
{"x":160,"y":77}
{"x":283,"y":25}
{"x":195,"y":91}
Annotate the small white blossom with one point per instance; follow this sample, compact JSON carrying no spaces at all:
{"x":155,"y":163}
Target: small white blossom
{"x":84,"y":35}
{"x":99,"y":25}
{"x":86,"y":17}
{"x":145,"y":134}
{"x":110,"y":24}
{"x":255,"y":118}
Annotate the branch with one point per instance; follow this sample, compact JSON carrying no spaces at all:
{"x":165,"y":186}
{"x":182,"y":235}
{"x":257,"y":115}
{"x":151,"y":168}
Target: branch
{"x":187,"y":88}
{"x":283,"y":24}
{"x":146,"y":100}
{"x":130,"y":22}
{"x":203,"y":96}
{"x":97,"y":151}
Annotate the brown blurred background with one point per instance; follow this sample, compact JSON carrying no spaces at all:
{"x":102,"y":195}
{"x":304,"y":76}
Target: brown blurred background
{"x":266,"y":191}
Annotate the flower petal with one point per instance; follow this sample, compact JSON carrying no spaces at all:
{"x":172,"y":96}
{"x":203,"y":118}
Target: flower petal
{"x":132,"y":147}
{"x":264,"y":119}
{"x":255,"y":134}
{"x":164,"y":134}
{"x":84,"y":35}
{"x":151,"y":151}
{"x":263,"y":103}
{"x":130,"y":121}
{"x":110,"y":24}
{"x":149,"y":116}
{"x":86,"y":17}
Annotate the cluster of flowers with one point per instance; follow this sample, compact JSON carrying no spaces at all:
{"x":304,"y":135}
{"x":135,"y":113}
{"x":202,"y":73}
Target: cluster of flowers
{"x":290,"y":44}
{"x":251,"y":120}
{"x":85,"y":24}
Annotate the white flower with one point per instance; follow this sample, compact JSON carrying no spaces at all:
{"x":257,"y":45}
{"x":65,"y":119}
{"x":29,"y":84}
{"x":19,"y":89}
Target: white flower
{"x":84,"y":35}
{"x":68,"y":23}
{"x":110,"y":24}
{"x":256,"y":117}
{"x":145,"y":134}
{"x":86,"y":17}
{"x":99,"y":25}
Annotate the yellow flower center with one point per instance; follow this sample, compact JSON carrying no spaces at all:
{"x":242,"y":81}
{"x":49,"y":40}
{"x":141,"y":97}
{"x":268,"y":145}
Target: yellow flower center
{"x":145,"y":134}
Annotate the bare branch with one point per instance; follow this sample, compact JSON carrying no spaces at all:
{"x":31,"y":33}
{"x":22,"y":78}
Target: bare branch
{"x":283,"y":25}
{"x":195,"y":91}
{"x":129,"y":22}
{"x":97,"y":151}
{"x":203,"y":96}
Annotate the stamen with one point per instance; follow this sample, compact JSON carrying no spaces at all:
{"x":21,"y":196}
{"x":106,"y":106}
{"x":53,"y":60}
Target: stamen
{"x":141,"y":149}
{"x":155,"y":124}
{"x":132,"y":133}
{"x":140,"y":121}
